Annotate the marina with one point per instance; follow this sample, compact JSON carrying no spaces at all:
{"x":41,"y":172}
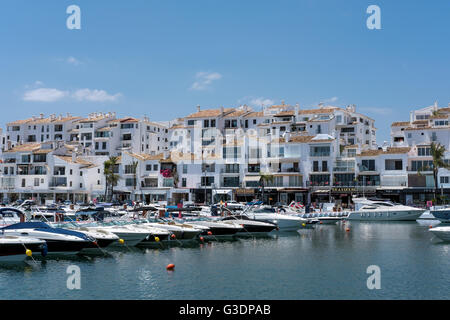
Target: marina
{"x":159,"y":254}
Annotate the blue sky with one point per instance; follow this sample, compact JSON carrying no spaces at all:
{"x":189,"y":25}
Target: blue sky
{"x":162,"y":58}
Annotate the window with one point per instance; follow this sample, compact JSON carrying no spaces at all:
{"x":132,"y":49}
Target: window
{"x":36,"y":182}
{"x":391,"y":164}
{"x":183,"y":182}
{"x":81,"y":173}
{"x":424,"y":151}
{"x":368,"y":165}
{"x":191,"y":122}
{"x":130,"y":169}
{"x":185,"y":169}
{"x":155,"y":167}
{"x":324,"y":166}
{"x":445,"y":179}
{"x":127,"y":126}
{"x":207,"y":181}
{"x":319,"y":151}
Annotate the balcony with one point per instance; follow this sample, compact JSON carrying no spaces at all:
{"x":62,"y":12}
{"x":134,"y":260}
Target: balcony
{"x":168,"y":183}
{"x":58,"y":182}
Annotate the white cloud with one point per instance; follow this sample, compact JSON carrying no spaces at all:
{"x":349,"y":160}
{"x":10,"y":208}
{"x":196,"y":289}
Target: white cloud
{"x":256,"y":101}
{"x":204,"y":79}
{"x":260,"y":102}
{"x":74,"y":61}
{"x":376,"y":110}
{"x":44,"y":95}
{"x":95,"y":95}
{"x":52,"y":95}
{"x":330,"y":100}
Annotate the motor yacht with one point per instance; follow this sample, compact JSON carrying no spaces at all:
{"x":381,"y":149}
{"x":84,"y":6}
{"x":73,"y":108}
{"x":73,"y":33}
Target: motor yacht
{"x":103,"y":238}
{"x":181,"y":232}
{"x":14,"y":248}
{"x":383,"y":210}
{"x":10,"y":216}
{"x":442,"y":233}
{"x":59,"y":241}
{"x":250,"y":227}
{"x":215,"y":229}
{"x":285,"y":222}
{"x":131,"y":236}
{"x":442,"y":213}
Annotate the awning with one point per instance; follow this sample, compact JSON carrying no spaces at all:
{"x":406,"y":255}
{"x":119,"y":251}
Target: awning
{"x":225,"y":191}
{"x":252,"y":178}
{"x":245,"y":191}
{"x":322,"y":191}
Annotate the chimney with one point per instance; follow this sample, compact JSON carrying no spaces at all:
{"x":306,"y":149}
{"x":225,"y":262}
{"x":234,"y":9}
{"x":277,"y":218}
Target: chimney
{"x":198,"y":108}
{"x":297,"y":109}
{"x":41,"y":116}
{"x":222,"y":110}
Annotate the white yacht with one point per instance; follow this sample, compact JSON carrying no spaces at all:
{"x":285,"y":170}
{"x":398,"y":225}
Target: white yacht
{"x":59,"y":241}
{"x":14,"y":248}
{"x":130,"y":236}
{"x":284,"y":222}
{"x":442,"y":233}
{"x":383,"y":210}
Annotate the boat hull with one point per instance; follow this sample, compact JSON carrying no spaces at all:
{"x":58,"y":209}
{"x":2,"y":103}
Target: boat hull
{"x":441,"y":215}
{"x":442,"y":233}
{"x":407,"y":215}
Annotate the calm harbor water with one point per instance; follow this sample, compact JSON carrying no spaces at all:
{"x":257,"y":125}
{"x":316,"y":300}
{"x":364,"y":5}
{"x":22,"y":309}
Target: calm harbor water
{"x":322,"y":263}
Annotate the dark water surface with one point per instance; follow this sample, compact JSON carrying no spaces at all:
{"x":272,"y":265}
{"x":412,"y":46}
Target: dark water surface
{"x":322,"y":263}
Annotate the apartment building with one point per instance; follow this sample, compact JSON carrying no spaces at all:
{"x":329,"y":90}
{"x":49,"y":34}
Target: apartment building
{"x":295,"y":154}
{"x":425,"y":126}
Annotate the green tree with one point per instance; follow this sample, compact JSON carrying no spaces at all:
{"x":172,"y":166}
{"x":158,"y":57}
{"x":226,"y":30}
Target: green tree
{"x":437,"y":152}
{"x":111,"y":177}
{"x":264,"y":180}
{"x":134,"y":166}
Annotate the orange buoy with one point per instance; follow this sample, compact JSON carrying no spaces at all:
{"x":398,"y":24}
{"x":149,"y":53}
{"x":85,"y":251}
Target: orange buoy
{"x":170,"y":266}
{"x":172,"y":236}
{"x":431,"y":227}
{"x":202,"y":239}
{"x":209,"y":233}
{"x":348,"y":229}
{"x":320,"y":222}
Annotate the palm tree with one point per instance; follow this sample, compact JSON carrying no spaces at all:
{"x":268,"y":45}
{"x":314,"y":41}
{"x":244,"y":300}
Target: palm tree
{"x":106,"y":172}
{"x":437,"y":152}
{"x":134,"y":165}
{"x":265,"y":178}
{"x":111,"y":177}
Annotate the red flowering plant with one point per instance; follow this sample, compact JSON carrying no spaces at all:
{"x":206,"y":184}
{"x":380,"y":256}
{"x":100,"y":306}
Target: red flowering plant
{"x":166,"y":173}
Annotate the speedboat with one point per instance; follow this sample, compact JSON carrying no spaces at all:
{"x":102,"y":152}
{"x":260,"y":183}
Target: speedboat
{"x":215,"y":229}
{"x":284,"y":222}
{"x":103,"y":238}
{"x":59,"y":241}
{"x":250,"y":227}
{"x":10,"y":216}
{"x":427,"y":220}
{"x":130,"y":236}
{"x":442,"y":213}
{"x":181,"y":231}
{"x":14,"y":248}
{"x":383,"y":210}
{"x":442,"y":233}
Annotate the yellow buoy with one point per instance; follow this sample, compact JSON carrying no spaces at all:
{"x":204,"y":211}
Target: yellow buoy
{"x":303,"y":225}
{"x":29,"y":252}
{"x":121,"y":241}
{"x":157,"y":239}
